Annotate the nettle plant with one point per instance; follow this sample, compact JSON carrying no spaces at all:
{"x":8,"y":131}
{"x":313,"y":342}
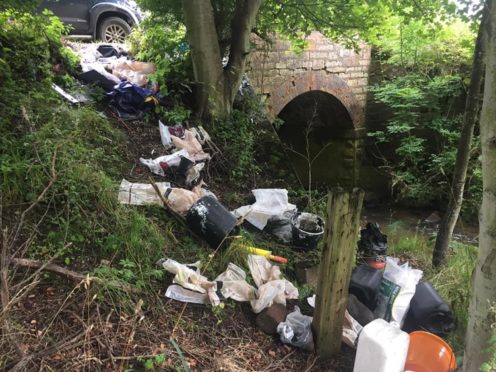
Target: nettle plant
{"x":423,"y":131}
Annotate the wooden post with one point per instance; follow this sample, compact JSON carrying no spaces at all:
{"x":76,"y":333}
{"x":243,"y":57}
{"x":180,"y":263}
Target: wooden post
{"x":341,"y":235}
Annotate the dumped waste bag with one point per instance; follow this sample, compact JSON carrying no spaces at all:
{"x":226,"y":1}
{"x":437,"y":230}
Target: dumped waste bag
{"x":296,"y":330}
{"x":372,"y":246}
{"x":212,"y":221}
{"x":382,"y":347}
{"x":307,"y":230}
{"x":365,"y":284}
{"x":141,"y":193}
{"x":397,"y":289}
{"x":428,"y":312}
{"x":128,"y":100}
{"x":359,"y":311}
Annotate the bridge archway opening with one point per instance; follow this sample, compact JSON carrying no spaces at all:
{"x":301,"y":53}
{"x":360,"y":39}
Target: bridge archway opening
{"x":317,"y":131}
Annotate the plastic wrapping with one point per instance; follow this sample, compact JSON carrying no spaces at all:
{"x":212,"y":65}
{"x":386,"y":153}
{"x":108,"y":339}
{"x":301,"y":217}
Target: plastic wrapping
{"x":397,"y":289}
{"x":141,"y":193}
{"x":162,"y":163}
{"x":297,"y":330}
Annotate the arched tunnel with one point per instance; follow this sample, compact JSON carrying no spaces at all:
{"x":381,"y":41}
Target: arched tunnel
{"x":318,"y":135}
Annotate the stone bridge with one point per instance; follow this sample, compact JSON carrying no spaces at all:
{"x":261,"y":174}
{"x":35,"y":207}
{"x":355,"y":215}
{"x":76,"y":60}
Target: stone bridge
{"x":319,"y":96}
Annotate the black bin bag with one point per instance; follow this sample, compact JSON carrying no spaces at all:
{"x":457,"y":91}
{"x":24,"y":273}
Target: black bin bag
{"x":428,"y":312}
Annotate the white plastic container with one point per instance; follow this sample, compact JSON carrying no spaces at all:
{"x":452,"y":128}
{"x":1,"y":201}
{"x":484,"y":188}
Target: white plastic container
{"x":382,"y":347}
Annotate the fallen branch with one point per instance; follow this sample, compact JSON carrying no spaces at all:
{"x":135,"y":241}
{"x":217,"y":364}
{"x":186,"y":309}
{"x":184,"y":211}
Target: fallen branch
{"x":72,"y":275}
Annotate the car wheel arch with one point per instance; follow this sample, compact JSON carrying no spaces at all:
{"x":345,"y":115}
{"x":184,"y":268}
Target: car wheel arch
{"x":100,"y":12}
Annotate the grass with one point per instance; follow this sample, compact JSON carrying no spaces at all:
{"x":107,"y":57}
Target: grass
{"x":452,"y":281}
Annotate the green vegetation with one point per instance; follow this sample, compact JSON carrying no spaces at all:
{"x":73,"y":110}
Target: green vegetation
{"x":426,"y":68}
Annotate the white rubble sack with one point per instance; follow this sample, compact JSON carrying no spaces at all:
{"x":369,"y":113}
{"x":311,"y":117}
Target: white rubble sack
{"x":141,"y":193}
{"x":269,"y":202}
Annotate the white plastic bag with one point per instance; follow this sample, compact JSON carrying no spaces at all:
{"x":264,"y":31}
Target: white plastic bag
{"x":140,"y":193}
{"x":165,"y":135}
{"x":397,"y":289}
{"x":269,"y":202}
{"x":171,"y":160}
{"x":296,"y":330}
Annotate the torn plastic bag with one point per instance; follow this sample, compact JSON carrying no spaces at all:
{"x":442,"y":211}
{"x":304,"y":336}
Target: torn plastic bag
{"x":141,"y":193}
{"x":194,"y":173}
{"x":165,"y":135}
{"x":262,"y":271}
{"x":178,"y":293}
{"x":397,"y":289}
{"x":269,"y":202}
{"x":271,"y":288}
{"x":191,"y":145}
{"x":280,"y":226}
{"x":108,"y":51}
{"x":372,"y":241}
{"x":192,"y":279}
{"x":162,"y":163}
{"x":232,"y":284}
{"x":297,"y":330}
{"x":351,"y":330}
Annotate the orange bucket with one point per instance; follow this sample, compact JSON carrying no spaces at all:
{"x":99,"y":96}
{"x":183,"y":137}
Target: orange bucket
{"x":429,"y":353}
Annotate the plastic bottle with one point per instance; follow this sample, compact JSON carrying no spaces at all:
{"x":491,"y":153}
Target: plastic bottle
{"x":382,"y":347}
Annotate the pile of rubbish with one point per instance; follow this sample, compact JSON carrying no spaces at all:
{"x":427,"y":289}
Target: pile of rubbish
{"x":126,"y":81}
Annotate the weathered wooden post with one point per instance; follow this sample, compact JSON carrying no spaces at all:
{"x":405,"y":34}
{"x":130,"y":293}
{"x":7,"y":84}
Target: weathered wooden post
{"x":343,"y":223}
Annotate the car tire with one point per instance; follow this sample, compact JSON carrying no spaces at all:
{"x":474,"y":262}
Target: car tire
{"x":114,"y":30}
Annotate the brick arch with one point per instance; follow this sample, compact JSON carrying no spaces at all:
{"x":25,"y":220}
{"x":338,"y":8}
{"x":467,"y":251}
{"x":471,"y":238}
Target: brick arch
{"x":316,"y":81}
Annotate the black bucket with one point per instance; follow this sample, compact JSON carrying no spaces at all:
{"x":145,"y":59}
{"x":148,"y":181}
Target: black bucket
{"x":307,"y":230}
{"x":211,"y":221}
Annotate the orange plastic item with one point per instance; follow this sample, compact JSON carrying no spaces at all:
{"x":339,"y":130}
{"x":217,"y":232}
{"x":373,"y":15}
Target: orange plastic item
{"x":429,"y":353}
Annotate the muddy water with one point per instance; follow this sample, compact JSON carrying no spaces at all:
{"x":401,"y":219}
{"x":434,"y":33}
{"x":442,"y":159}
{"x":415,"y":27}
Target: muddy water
{"x":418,"y":221}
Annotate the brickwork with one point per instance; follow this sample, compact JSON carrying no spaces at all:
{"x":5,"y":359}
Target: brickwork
{"x":281,"y":75}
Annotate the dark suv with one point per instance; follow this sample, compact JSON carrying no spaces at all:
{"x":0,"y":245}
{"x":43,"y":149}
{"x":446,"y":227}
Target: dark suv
{"x":108,"y":20}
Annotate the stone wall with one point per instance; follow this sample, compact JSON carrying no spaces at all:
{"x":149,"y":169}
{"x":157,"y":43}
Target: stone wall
{"x":281,"y":75}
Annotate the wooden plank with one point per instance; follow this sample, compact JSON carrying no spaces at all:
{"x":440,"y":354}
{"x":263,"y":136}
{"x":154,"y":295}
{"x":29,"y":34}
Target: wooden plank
{"x":341,"y":235}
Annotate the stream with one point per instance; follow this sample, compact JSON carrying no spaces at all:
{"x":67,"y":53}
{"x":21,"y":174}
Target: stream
{"x":422,"y":221}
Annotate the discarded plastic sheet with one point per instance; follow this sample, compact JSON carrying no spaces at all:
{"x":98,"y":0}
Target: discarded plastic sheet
{"x":269,"y":202}
{"x":230,"y":284}
{"x":162,"y":163}
{"x":141,"y":193}
{"x":64,"y":94}
{"x":234,"y":284}
{"x":165,"y":135}
{"x":191,"y":145}
{"x":128,"y":100}
{"x":297,"y":330}
{"x":271,"y":288}
{"x":192,"y":279}
{"x":397,"y":289}
{"x":134,"y":71}
{"x":178,"y":293}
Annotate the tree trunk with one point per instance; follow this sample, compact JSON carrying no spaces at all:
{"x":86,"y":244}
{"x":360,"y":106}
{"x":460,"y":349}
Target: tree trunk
{"x":481,"y":318}
{"x":472,"y":106}
{"x":217,"y":86}
{"x":205,"y":54}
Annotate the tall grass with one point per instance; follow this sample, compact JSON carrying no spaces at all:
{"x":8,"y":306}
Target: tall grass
{"x":452,"y":281}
